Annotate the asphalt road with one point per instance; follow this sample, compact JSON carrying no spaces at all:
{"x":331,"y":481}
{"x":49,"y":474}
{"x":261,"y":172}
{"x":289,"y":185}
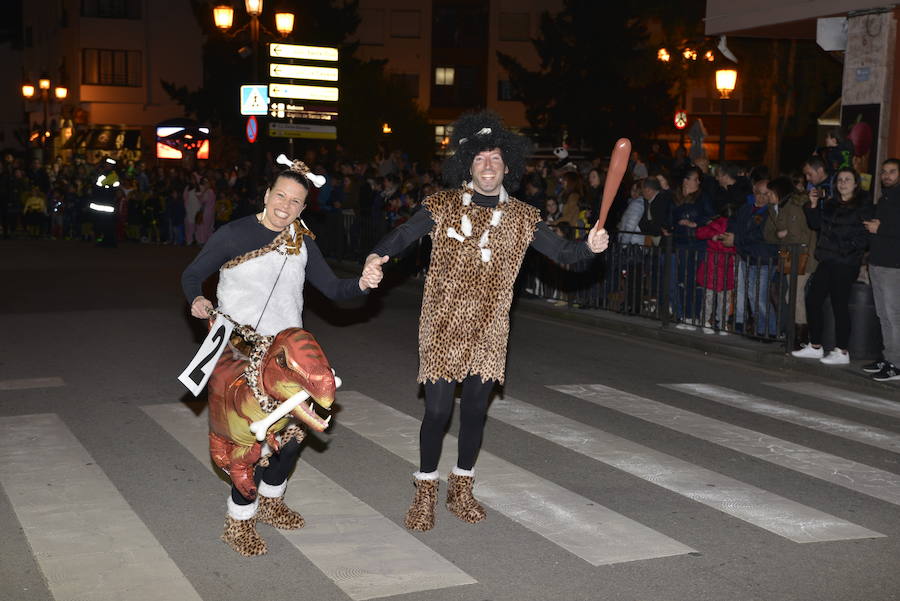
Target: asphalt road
{"x":613,"y":467}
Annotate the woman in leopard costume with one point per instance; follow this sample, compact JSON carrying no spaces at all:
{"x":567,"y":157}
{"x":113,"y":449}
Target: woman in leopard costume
{"x":479,"y":238}
{"x":263,"y":262}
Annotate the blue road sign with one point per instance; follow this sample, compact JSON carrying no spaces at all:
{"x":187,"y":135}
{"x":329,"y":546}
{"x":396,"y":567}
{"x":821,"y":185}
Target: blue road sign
{"x":255,"y":99}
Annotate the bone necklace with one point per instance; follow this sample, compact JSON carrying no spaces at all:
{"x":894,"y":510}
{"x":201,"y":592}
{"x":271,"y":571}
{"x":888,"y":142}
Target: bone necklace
{"x":466,"y":223}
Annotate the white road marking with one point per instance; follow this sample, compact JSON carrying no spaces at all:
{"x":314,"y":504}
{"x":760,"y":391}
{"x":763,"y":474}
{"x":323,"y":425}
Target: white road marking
{"x":836,"y":426}
{"x":364,"y":553}
{"x":844,"y":397}
{"x":781,"y":516}
{"x":27,"y":383}
{"x":86,"y":539}
{"x":849,"y":474}
{"x":586,"y":529}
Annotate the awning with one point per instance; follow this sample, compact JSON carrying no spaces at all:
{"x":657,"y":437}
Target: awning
{"x":832,"y":115}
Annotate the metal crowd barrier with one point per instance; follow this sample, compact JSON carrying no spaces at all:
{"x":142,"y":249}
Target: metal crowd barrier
{"x":661,"y":279}
{"x":676,"y":282}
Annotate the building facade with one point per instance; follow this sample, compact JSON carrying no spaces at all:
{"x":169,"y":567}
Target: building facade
{"x":111,"y":57}
{"x":445,"y":52}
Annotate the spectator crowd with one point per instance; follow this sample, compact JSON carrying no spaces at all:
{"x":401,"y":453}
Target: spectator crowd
{"x":731,"y":249}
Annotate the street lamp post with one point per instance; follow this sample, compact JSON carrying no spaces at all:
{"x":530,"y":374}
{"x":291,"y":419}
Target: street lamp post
{"x":689,"y":57}
{"x":726,"y":79}
{"x":223,"y":16}
{"x":44,"y":86}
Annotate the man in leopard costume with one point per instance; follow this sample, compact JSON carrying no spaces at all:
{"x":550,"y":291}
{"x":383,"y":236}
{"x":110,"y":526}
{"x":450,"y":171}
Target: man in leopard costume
{"x":263,"y":261}
{"x":479,"y":237}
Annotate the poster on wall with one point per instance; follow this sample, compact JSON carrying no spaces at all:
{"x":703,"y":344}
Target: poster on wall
{"x":859,"y":122}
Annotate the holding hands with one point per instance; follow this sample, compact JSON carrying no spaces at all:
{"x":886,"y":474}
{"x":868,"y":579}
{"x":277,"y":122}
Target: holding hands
{"x":598,"y":240}
{"x":372,"y":272}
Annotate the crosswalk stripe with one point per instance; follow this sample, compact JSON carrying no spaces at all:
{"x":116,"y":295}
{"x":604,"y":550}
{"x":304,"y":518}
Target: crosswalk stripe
{"x":792,"y":520}
{"x":26,"y":383}
{"x":586,"y":529}
{"x":836,"y":426}
{"x":364,"y":553}
{"x":848,"y":474}
{"x":88,"y":542}
{"x":844,"y":397}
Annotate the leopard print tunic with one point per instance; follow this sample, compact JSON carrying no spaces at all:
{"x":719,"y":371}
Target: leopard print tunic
{"x":464,"y":324}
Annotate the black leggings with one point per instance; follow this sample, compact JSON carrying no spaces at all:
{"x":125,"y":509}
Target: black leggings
{"x":439,"y":408}
{"x":834,"y":280}
{"x":279,"y":468}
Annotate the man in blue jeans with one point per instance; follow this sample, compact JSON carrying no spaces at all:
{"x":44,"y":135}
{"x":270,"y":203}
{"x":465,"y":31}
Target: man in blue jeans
{"x":756,"y":265}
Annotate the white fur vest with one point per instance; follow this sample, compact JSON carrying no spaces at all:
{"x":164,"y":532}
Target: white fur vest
{"x":277,"y":269}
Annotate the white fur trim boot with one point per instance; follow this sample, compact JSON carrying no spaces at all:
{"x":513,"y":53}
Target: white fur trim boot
{"x":240,"y":529}
{"x":460,"y":501}
{"x":420,"y":515}
{"x":273,"y":511}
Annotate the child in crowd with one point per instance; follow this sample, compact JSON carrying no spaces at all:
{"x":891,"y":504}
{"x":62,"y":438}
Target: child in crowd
{"x":716,"y":273}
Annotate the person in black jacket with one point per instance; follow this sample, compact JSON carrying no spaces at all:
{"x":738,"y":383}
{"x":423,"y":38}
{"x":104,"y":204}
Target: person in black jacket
{"x":884,"y":270}
{"x":657,"y":201}
{"x":842,"y":242}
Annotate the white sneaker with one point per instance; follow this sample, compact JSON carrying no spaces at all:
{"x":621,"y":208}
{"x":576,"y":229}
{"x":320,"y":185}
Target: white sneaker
{"x":723,"y":333}
{"x":809,"y":352}
{"x":708,"y":330}
{"x":836,"y":357}
{"x":685,"y":326}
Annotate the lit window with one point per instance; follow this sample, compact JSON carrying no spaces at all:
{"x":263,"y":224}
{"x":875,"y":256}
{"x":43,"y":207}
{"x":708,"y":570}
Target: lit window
{"x":443,"y":76}
{"x":442,"y":134}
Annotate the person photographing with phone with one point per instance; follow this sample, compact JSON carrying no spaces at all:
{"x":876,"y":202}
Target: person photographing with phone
{"x":842,"y":241}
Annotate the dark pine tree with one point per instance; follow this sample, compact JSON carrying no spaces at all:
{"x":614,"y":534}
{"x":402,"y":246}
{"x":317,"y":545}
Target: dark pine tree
{"x":598,"y":80}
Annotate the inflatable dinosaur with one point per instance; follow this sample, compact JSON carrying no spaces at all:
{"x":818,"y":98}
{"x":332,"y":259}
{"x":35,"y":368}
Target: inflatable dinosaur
{"x":245,"y":390}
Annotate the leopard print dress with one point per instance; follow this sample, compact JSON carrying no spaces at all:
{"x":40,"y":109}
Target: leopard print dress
{"x":464,"y":325}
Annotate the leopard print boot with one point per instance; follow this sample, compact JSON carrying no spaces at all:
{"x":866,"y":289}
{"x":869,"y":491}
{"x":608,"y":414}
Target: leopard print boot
{"x":460,"y":501}
{"x":241,"y":535}
{"x":420,"y":515}
{"x":273,"y":511}
{"x":240,"y":530}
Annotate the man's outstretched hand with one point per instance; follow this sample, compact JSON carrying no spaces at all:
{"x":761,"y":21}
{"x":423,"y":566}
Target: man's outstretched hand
{"x":372,"y":272}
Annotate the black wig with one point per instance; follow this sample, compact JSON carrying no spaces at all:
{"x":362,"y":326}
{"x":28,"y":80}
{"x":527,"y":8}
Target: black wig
{"x":477,"y":132}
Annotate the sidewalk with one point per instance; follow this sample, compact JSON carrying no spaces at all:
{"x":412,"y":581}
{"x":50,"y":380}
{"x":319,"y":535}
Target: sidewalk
{"x":734,"y":346}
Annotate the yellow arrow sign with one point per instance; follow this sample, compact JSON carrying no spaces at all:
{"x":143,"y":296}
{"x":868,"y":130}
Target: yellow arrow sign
{"x":285,"y":90}
{"x":303,"y":72}
{"x":314,"y":53}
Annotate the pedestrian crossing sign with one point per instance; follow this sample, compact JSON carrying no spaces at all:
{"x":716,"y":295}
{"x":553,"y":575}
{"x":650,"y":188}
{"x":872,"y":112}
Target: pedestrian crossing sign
{"x":254,"y":99}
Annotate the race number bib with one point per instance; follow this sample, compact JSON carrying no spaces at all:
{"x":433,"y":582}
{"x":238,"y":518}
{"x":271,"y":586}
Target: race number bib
{"x":196,"y":374}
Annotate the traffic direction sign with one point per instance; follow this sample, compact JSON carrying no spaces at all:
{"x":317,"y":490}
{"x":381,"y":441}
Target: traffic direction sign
{"x":303,"y":72}
{"x":302,"y":130}
{"x":313,"y":53}
{"x":288,"y":110}
{"x":286,"y":90}
{"x":254,"y":100}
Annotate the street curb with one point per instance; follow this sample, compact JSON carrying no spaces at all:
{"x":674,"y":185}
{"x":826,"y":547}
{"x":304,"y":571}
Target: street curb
{"x":733,"y":347}
{"x":742,"y":349}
